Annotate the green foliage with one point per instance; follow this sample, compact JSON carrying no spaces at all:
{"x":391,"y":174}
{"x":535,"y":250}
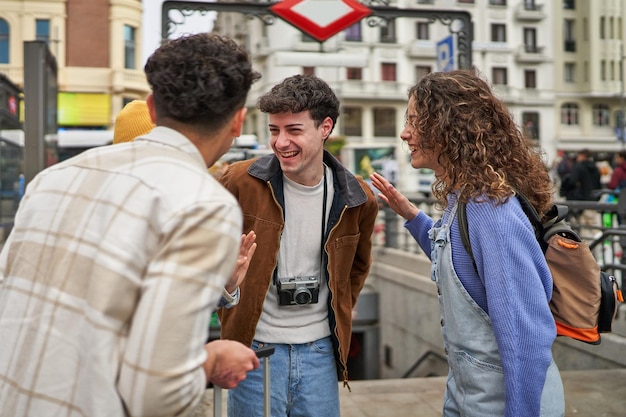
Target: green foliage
{"x":334,"y":144}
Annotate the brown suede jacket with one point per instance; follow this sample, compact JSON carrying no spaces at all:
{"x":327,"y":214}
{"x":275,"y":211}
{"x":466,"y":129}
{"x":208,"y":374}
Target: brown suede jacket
{"x":258,"y":185}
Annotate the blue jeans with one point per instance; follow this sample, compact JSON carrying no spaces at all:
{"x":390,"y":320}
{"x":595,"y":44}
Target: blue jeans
{"x":303,"y":381}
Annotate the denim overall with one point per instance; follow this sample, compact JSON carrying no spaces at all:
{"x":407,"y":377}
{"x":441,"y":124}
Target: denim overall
{"x":475,"y":384}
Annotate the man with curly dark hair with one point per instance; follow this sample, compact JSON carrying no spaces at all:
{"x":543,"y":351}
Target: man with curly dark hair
{"x":119,"y":256}
{"x":496,"y":322}
{"x":314,"y":222}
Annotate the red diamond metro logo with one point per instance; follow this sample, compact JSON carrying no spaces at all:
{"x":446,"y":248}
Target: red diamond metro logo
{"x":321,"y":18}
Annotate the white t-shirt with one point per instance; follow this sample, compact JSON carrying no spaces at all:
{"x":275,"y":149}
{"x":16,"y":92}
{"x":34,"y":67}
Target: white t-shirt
{"x":299,"y":256}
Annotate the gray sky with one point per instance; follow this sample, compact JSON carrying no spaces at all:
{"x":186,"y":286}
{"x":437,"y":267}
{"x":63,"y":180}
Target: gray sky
{"x":152,"y":26}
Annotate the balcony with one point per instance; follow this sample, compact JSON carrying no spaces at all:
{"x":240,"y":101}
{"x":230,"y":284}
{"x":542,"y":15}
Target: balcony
{"x":422,"y":49}
{"x":530,"y":54}
{"x":122,"y":81}
{"x":358,"y":89}
{"x":530,"y":12}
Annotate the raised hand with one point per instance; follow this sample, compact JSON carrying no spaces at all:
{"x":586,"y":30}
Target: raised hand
{"x":394,"y":198}
{"x":246,"y":251}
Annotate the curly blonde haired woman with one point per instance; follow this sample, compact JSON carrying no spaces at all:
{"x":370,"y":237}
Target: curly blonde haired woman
{"x":497,"y":326}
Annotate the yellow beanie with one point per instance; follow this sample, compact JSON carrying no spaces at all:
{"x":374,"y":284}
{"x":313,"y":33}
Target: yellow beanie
{"x":132,"y":121}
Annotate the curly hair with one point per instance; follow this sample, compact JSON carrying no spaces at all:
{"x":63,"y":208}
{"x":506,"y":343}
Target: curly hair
{"x":481,"y":150}
{"x":300,"y":93}
{"x":200,"y":80}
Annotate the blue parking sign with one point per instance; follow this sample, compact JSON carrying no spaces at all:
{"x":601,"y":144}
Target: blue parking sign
{"x":445,"y":54}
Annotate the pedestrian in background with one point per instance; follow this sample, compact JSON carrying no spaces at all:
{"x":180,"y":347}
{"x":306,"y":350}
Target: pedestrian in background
{"x":564,"y":170}
{"x":132,"y":121}
{"x":618,"y":177}
{"x":586,"y":177}
{"x":314,"y":222}
{"x":497,"y":326}
{"x":119,"y":255}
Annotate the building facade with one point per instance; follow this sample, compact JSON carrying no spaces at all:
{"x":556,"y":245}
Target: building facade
{"x":96,"y":44}
{"x":372,"y":64}
{"x":589,"y":74}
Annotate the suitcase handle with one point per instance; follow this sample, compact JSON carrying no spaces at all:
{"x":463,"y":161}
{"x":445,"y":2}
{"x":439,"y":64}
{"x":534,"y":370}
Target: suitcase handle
{"x":263,"y":352}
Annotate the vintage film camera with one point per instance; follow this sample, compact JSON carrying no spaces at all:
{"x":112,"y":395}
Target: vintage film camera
{"x":298,"y":290}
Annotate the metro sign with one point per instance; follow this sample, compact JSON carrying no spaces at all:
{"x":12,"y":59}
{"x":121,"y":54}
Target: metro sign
{"x":321,"y":19}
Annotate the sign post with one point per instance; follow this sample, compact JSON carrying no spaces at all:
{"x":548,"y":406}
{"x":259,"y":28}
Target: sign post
{"x":445,"y":54}
{"x":322,"y":19}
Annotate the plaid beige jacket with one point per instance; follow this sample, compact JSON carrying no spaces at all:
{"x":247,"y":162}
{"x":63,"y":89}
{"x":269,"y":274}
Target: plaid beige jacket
{"x":117,"y":258}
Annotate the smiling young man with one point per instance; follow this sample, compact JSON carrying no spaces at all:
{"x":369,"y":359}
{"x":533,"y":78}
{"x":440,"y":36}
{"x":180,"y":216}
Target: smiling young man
{"x":314,"y":221}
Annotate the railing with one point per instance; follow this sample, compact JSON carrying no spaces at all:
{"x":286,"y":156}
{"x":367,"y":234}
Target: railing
{"x":607,"y":242}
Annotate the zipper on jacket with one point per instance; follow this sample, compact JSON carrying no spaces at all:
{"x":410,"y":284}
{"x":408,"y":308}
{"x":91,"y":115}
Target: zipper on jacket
{"x":344,"y":371}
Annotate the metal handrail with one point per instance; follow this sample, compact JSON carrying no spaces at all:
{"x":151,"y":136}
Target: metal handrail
{"x":606,"y":242}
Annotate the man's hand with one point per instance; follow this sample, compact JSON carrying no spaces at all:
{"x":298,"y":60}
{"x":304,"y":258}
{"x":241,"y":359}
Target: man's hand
{"x":228,"y":362}
{"x":248,"y":246}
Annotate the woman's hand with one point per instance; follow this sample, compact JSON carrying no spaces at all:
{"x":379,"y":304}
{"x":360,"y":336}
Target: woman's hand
{"x":394,"y":198}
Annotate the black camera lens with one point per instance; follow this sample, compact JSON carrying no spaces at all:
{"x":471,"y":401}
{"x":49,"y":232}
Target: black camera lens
{"x":302,"y":296}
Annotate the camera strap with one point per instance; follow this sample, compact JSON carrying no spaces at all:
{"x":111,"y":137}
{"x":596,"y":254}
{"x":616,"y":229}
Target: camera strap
{"x":323,"y":221}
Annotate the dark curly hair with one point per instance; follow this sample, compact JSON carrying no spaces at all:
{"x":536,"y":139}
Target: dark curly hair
{"x":200,"y":80}
{"x":300,"y":93}
{"x":481,"y":150}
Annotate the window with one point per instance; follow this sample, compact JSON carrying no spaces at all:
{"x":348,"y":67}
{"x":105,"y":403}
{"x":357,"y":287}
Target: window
{"x":384,"y":121}
{"x":569,"y":114}
{"x":568,"y":35}
{"x":619,"y":118}
{"x":353,"y":33}
{"x":498,"y":32}
{"x":388,"y":32}
{"x":354,"y":73}
{"x":530,"y":40}
{"x":465,"y":1}
{"x":569,"y":72}
{"x":600,"y":115}
{"x":308,"y":70}
{"x":308,"y":38}
{"x":530,"y":5}
{"x":569,"y":4}
{"x":602,"y":27}
{"x":421,"y":70}
{"x":530,"y":79}
{"x":4,"y":41}
{"x":126,"y":100}
{"x":388,"y":71}
{"x":42,"y":30}
{"x":130,"y":47}
{"x":499,"y":76}
{"x":422,"y":30}
{"x":351,"y":121}
{"x":530,"y":122}
{"x":498,"y":2}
